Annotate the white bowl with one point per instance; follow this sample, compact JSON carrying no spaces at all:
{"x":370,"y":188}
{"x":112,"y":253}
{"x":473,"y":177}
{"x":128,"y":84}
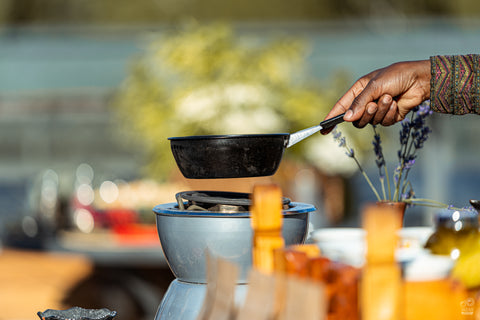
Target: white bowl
{"x":348,"y":245}
{"x":414,"y":237}
{"x":428,"y":267}
{"x":412,"y":242}
{"x":345,"y":245}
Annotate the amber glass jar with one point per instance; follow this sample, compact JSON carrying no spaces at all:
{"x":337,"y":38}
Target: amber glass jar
{"x":454,"y":231}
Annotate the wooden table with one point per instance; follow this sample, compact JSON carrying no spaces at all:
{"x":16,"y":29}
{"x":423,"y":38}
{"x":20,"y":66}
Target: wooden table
{"x":32,"y":281}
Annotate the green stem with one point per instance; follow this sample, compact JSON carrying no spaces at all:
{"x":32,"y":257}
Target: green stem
{"x":409,"y":153}
{"x":382,"y":180}
{"x":426,"y":202}
{"x":404,"y":147}
{"x":396,"y":195}
{"x":403,"y":152}
{"x":426,"y":205}
{"x":368,"y":179}
{"x":388,"y":184}
{"x":406,"y":183}
{"x":411,"y":143}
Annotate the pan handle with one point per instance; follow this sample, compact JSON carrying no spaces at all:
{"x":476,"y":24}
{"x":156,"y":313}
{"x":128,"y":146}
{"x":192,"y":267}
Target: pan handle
{"x":332,"y":122}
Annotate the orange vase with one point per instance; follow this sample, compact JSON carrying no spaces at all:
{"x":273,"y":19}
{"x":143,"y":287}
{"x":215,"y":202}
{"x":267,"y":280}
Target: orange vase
{"x":398,"y":205}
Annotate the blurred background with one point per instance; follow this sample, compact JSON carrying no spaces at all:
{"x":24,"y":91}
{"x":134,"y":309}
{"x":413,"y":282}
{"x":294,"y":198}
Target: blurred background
{"x":91,"y":90}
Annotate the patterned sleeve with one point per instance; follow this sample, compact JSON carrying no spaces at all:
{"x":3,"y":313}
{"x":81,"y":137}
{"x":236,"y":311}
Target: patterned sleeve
{"x":455,"y":84}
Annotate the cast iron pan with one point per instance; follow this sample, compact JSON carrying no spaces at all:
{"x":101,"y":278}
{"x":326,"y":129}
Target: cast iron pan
{"x":237,"y":156}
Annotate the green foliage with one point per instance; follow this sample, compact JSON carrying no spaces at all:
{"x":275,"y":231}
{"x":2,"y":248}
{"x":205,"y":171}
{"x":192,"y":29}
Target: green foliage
{"x":203,"y":79}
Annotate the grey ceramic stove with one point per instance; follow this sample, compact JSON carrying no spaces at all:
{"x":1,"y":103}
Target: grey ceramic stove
{"x":220,"y":223}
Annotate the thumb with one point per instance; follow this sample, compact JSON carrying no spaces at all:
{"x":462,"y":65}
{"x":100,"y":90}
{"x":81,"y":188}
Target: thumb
{"x":371,"y":93}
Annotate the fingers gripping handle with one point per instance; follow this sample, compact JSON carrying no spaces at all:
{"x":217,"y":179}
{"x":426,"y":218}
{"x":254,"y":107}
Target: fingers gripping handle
{"x":332,"y":122}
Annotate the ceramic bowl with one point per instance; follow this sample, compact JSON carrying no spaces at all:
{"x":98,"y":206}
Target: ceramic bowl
{"x":186,"y":235}
{"x":348,"y":245}
{"x":345,"y":245}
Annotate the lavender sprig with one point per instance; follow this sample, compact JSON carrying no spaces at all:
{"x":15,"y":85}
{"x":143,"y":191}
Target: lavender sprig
{"x":412,"y":136}
{"x":404,"y":132}
{"x":380,"y":161}
{"x":377,"y":148}
{"x":337,"y":136}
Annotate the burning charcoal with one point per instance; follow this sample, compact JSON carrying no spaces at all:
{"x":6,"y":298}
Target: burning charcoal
{"x":77,"y":313}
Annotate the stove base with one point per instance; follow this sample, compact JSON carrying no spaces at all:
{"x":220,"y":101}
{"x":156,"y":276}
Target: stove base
{"x":183,"y":301}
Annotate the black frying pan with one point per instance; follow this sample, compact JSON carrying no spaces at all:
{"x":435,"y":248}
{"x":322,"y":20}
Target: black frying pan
{"x":237,"y":156}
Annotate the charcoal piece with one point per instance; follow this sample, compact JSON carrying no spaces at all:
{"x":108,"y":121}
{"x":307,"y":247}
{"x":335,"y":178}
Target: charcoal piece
{"x":77,"y":313}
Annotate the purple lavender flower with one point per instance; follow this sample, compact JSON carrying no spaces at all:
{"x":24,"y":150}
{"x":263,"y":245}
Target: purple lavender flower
{"x":413,"y":134}
{"x":409,"y":164}
{"x":377,"y":148}
{"x":418,"y":122}
{"x":379,"y":158}
{"x":404,"y":132}
{"x":350,"y":153}
{"x":421,"y":137}
{"x":424,"y":109}
{"x":337,"y":136}
{"x":409,"y":194}
{"x":396,"y":174}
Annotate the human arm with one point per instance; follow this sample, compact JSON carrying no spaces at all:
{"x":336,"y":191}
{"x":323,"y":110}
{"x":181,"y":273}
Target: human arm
{"x":455,"y":84}
{"x":368,"y":100}
{"x":451,"y":82}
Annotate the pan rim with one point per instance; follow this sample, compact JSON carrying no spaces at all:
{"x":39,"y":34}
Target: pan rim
{"x":229,"y":136}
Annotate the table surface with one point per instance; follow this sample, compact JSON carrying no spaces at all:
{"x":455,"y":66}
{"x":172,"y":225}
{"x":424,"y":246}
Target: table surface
{"x":33,"y":281}
{"x":103,"y":248}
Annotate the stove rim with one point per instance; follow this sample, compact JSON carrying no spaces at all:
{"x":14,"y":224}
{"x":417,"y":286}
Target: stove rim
{"x":220,"y":197}
{"x":171,"y":209}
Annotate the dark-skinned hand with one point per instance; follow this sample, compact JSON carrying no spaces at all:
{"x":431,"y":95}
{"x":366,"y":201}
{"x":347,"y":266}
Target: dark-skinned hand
{"x":386,"y":95}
